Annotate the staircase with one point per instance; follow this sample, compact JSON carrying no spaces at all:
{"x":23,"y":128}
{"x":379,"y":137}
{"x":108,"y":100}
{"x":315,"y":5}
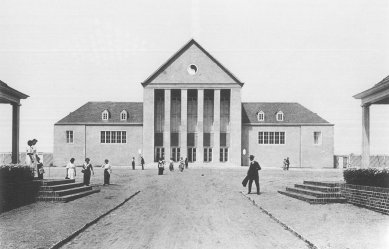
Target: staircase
{"x":316,"y":192}
{"x":63,"y":190}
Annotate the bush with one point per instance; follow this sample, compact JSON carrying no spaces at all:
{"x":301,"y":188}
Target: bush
{"x":13,"y":173}
{"x":367,"y":177}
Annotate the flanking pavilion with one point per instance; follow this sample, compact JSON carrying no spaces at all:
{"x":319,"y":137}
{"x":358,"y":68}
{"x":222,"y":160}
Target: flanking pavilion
{"x":377,"y":95}
{"x":8,"y":95}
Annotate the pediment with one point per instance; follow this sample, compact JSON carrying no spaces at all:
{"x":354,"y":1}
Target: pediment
{"x":192,"y":64}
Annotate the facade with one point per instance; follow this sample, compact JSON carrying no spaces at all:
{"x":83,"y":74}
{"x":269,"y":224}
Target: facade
{"x":192,"y":109}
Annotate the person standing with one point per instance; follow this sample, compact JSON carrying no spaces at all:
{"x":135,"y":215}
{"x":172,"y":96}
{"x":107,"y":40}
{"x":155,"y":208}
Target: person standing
{"x":252,"y":174}
{"x":107,"y":172}
{"x":182,"y":164}
{"x":186,"y":163}
{"x":142,"y":162}
{"x":287,"y":163}
{"x":87,"y":170}
{"x":71,"y":169}
{"x":160,"y":167}
{"x":171,"y":165}
{"x":29,"y":154}
{"x":34,"y":154}
{"x":133,"y":163}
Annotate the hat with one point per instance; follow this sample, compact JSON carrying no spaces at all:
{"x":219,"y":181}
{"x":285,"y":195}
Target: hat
{"x":251,"y":157}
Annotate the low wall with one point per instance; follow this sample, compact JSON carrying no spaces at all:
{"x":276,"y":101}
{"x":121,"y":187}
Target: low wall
{"x":14,"y":195}
{"x":373,"y":198}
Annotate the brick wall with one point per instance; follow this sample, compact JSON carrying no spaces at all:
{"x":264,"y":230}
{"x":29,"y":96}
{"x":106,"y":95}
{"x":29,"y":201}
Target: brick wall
{"x":373,"y":198}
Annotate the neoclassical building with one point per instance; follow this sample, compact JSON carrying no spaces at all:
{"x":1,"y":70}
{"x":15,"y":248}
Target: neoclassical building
{"x":192,"y":108}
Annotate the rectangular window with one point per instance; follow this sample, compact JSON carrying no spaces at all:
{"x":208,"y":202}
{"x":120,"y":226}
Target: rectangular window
{"x":113,"y":137}
{"x":260,"y":137}
{"x":266,"y":137}
{"x":317,"y":137}
{"x":276,"y":137}
{"x":271,"y":137}
{"x":69,"y":137}
{"x":282,"y":137}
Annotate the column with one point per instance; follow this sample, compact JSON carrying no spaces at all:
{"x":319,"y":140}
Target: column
{"x":148,"y":125}
{"x":235,"y":147}
{"x":15,"y":132}
{"x":200,"y":126}
{"x":166,"y":127}
{"x":365,"y":136}
{"x":216,"y":127}
{"x":184,"y":124}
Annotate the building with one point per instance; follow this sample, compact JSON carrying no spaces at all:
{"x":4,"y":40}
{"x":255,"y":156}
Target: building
{"x":192,"y":108}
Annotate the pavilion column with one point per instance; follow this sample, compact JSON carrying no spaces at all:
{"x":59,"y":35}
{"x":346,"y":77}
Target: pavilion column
{"x":166,"y":127}
{"x":216,"y":127}
{"x":15,"y":132}
{"x":200,"y":126}
{"x":184,"y":124}
{"x":365,"y":136}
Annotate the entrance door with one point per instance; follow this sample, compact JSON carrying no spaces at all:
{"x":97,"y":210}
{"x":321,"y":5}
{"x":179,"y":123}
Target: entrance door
{"x":223,"y":154}
{"x":176,"y":154}
{"x":207,"y":155}
{"x":191,"y":155}
{"x":159,"y":152}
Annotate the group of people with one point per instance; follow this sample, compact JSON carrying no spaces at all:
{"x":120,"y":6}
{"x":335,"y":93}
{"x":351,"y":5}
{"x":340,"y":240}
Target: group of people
{"x":286,"y":164}
{"x":87,"y":170}
{"x":142,"y":162}
{"x":32,"y":158}
{"x":182,"y":164}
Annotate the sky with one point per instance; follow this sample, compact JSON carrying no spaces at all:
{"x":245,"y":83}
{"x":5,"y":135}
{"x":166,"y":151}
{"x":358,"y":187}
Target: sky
{"x":317,"y":53}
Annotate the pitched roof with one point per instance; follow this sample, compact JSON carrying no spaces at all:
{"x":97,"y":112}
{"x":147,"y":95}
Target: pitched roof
{"x":90,"y":113}
{"x":179,"y":53}
{"x":13,"y":93}
{"x":294,"y":113}
{"x":380,"y":86}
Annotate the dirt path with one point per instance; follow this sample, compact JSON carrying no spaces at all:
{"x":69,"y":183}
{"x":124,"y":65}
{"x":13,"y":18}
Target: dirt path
{"x":187,"y":210}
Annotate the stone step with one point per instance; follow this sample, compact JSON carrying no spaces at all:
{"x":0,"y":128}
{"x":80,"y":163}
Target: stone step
{"x":61,"y":186}
{"x":313,"y":200}
{"x":65,"y":191}
{"x":67,"y":198}
{"x":57,"y":182}
{"x":318,"y":194}
{"x":323,"y":183}
{"x":317,"y":188}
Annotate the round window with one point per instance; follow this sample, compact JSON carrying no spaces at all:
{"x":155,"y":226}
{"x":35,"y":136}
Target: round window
{"x":192,"y":69}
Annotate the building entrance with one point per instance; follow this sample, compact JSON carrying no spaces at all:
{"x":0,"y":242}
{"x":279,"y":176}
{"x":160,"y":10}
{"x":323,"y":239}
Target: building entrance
{"x":207,"y":155}
{"x":223,"y":154}
{"x":191,"y":155}
{"x":176,"y":154}
{"x":159,"y":153}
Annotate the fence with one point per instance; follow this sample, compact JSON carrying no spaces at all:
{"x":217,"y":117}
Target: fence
{"x":46,"y":158}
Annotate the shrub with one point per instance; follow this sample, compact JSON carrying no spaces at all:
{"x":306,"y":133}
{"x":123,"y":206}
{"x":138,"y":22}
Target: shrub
{"x":13,"y":173}
{"x":367,"y":177}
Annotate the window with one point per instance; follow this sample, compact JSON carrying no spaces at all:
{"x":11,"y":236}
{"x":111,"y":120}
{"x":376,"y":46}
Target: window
{"x":280,"y":116}
{"x":192,"y":69}
{"x":123,"y":115}
{"x":69,"y":137}
{"x":317,"y":137}
{"x":261,"y":116}
{"x":105,"y":115}
{"x":113,"y":137}
{"x":270,"y":137}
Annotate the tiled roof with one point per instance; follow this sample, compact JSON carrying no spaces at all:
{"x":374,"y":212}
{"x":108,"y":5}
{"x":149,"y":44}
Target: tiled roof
{"x":90,"y":113}
{"x":294,"y":113}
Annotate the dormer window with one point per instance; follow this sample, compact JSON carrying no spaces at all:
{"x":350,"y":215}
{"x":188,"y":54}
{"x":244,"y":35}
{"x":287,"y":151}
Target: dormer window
{"x":280,"y":116}
{"x":105,"y":115}
{"x":123,"y":115}
{"x":261,"y":116}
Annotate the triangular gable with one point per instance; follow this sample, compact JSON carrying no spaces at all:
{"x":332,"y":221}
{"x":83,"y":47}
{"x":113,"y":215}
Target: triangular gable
{"x":175,"y":70}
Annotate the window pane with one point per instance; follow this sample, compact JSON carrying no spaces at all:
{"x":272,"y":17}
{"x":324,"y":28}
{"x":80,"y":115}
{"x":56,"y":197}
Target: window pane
{"x":221,"y":154}
{"x":113,"y":137}
{"x":210,"y":154}
{"x":108,"y":137}
{"x":276,"y":137}
{"x":271,"y":137}
{"x":205,"y":154}
{"x":194,"y":154}
{"x":260,"y":137}
{"x":266,"y":137}
{"x":102,"y":137}
{"x":282,"y":137}
{"x":226,"y":154}
{"x":124,"y":137}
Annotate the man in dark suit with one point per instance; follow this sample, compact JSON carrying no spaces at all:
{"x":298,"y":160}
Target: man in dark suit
{"x":252,"y":174}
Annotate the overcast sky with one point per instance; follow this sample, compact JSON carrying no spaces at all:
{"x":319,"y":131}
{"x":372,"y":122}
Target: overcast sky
{"x":318,"y":53}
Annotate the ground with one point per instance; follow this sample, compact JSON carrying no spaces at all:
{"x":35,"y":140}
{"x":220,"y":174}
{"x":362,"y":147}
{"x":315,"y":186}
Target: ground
{"x":202,"y":207}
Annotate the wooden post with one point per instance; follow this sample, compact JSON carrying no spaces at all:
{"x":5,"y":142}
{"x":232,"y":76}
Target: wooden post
{"x":15,"y":132}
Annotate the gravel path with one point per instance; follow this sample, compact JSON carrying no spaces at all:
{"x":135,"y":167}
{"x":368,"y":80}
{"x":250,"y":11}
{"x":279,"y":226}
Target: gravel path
{"x":187,"y":210}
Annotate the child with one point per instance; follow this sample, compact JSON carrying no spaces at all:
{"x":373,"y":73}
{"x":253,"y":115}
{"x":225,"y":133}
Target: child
{"x":107,"y":172}
{"x":40,"y":169}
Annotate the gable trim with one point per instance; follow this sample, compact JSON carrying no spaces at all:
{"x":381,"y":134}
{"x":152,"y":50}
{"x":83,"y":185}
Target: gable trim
{"x":178,"y":54}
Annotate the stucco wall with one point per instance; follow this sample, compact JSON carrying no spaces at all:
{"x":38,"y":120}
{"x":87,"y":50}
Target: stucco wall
{"x":321,"y":155}
{"x":117,"y":154}
{"x":272,"y":155}
{"x":63,"y":151}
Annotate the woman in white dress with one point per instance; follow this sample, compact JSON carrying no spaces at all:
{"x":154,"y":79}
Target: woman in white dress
{"x":71,"y":168}
{"x":29,"y":154}
{"x":34,"y":154}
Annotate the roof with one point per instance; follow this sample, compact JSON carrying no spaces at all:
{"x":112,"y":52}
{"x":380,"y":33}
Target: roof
{"x":8,"y":94}
{"x":179,"y":53}
{"x":90,"y":113}
{"x":378,"y":88}
{"x":294,"y":113}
